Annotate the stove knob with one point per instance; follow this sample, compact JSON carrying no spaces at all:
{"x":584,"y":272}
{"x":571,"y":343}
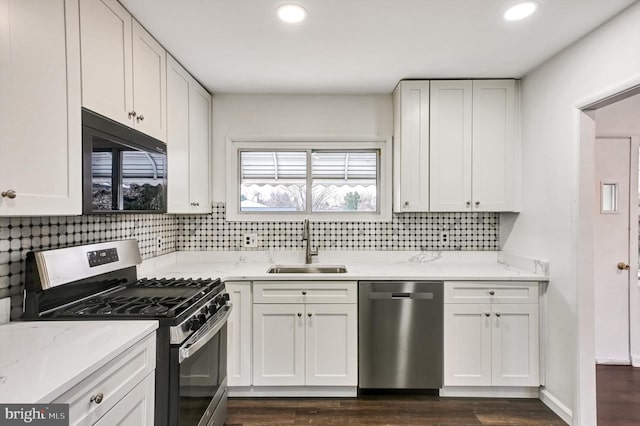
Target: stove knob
{"x":202,"y":318}
{"x":226,"y":296}
{"x":194,"y":324}
{"x":205,"y":310}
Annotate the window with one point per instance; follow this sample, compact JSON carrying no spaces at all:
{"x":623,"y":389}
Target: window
{"x":316,"y":179}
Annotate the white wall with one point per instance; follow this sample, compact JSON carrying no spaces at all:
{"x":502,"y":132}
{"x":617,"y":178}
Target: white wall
{"x":619,"y":119}
{"x":294,"y":115}
{"x":549,"y":224}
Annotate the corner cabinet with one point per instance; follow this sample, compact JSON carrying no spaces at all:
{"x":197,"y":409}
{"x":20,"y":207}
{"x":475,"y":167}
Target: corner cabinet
{"x":473,"y":145}
{"x":491,"y":334}
{"x":40,"y":82}
{"x":123,"y":68}
{"x":188,"y":141}
{"x":411,"y":147}
{"x":305,"y":333}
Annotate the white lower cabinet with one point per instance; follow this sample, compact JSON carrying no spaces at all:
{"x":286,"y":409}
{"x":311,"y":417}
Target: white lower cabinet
{"x":239,"y":334}
{"x":305,"y":344}
{"x":120,"y":393}
{"x":494,"y":343}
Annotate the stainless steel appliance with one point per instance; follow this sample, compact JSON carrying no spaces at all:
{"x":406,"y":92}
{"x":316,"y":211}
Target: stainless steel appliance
{"x":123,"y":170}
{"x":99,"y":282}
{"x":400,"y":340}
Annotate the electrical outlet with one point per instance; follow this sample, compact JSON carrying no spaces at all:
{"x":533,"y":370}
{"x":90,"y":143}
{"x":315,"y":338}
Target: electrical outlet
{"x":250,"y":240}
{"x":444,"y":238}
{"x":158,"y":242}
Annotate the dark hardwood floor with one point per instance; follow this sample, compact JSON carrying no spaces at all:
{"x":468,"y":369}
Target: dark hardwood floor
{"x":389,"y":410}
{"x":618,"y":395}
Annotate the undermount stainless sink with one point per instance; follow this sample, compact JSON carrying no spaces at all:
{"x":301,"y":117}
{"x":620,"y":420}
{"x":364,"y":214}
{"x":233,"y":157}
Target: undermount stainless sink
{"x":307,"y":269}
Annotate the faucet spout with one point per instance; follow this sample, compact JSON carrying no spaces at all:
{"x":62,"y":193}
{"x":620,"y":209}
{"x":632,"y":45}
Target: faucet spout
{"x":306,"y":236}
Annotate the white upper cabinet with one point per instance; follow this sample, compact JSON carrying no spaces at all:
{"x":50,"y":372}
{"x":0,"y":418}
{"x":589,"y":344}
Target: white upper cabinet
{"x":473,"y":137}
{"x":188,"y":139}
{"x":451,"y":150}
{"x":411,"y":146}
{"x":123,"y":68}
{"x":40,"y":83}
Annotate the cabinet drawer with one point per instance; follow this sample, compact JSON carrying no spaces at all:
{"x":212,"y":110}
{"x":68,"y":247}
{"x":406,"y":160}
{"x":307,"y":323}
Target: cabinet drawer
{"x":113,"y":381}
{"x":305,"y":292}
{"x":490,"y":292}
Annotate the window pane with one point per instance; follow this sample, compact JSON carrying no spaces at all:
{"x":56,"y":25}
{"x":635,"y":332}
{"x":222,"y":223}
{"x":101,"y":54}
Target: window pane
{"x":344,"y":181}
{"x":273,"y":181}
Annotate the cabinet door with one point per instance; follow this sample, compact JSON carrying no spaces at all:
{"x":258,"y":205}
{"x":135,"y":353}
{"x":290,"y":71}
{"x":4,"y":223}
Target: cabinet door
{"x":149,"y":84}
{"x":40,"y":125}
{"x":493,"y":145}
{"x":239,"y":334}
{"x":331,"y":345}
{"x":411,"y":147}
{"x":450,"y":141}
{"x":278,"y":344}
{"x":467,"y":344}
{"x":199,"y":140}
{"x":107,"y":81}
{"x":178,"y":81}
{"x":515,"y":345}
{"x":135,"y":409}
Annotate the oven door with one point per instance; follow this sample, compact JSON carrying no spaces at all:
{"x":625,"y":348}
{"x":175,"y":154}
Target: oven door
{"x":203,"y":373}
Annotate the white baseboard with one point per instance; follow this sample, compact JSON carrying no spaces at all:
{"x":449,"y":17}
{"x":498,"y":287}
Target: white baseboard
{"x":556,"y":406}
{"x":293,"y":391}
{"x":635,"y":360}
{"x":613,"y":361}
{"x":489,"y":392}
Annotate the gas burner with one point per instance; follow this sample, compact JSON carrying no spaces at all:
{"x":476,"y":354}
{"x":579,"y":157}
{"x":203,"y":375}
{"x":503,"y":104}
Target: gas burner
{"x":174,"y":282}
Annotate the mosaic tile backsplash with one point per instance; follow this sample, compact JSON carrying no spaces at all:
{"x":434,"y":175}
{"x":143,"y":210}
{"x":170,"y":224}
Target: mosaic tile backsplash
{"x":407,"y":231}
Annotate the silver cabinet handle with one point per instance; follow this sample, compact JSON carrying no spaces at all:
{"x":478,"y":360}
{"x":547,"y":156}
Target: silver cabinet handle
{"x":140,"y":118}
{"x":132,"y":114}
{"x":97,"y":398}
{"x":195,"y":204}
{"x":9,"y":193}
{"x":498,"y":314}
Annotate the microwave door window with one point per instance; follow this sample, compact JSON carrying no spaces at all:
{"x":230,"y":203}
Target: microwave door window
{"x":102,"y":180}
{"x":143,"y":181}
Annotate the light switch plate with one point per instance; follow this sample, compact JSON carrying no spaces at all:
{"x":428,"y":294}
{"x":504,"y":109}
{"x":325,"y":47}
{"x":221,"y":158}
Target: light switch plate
{"x":5,"y":310}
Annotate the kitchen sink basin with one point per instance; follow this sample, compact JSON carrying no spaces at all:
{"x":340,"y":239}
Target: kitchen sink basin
{"x":307,"y":269}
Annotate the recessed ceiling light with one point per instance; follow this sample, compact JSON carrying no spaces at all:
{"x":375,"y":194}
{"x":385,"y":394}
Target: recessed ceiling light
{"x":520,"y":11}
{"x":291,"y":13}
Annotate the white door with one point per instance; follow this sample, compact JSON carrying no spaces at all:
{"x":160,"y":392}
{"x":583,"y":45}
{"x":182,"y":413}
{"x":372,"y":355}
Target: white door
{"x":467,"y":344}
{"x":331,"y":345}
{"x":493,"y":143}
{"x":107,"y":81}
{"x":149,"y":84}
{"x":515,"y":345}
{"x":135,"y":409}
{"x":611,"y":247}
{"x":239,"y":334}
{"x":199,"y":140}
{"x":278,"y":344}
{"x":450,"y":146}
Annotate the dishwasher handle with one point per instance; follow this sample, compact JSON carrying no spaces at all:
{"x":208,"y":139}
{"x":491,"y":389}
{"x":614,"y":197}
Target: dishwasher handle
{"x":401,"y":295}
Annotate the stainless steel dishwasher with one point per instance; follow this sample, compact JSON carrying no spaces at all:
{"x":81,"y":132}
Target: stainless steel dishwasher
{"x":400,"y":327}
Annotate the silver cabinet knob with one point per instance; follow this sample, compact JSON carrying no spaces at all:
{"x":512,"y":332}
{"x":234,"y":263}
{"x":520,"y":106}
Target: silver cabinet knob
{"x":468,"y":203}
{"x":97,"y":398}
{"x":132,"y":114}
{"x":304,"y":293}
{"x":299,"y":314}
{"x":406,"y":204}
{"x":9,"y":193}
{"x":140,"y":118}
{"x":487,"y":314}
{"x":492,"y":292}
{"x":477,"y":203}
{"x":498,"y":314}
{"x":195,"y":204}
{"x":309,"y":314}
{"x":621,"y":265}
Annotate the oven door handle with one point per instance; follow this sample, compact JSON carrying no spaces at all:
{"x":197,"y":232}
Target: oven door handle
{"x":203,"y":335}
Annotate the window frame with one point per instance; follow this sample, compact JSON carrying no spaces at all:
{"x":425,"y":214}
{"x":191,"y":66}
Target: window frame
{"x":233,"y":180}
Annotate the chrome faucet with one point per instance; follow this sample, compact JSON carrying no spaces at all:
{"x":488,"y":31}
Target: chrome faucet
{"x":306,"y":236}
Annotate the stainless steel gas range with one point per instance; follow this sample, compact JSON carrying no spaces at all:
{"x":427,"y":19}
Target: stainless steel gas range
{"x":99,"y":282}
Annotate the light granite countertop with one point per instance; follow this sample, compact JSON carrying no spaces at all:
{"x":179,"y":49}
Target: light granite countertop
{"x":41,"y":360}
{"x":253,"y":265}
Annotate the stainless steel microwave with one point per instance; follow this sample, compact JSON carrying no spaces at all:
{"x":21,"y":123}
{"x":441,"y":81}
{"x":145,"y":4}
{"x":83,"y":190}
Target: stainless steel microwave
{"x":124,"y":171}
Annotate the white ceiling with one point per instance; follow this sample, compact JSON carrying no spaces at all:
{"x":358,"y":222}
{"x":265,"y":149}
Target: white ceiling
{"x":361,"y":46}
